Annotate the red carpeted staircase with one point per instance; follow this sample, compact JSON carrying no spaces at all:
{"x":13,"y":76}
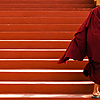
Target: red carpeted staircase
{"x":34,"y":34}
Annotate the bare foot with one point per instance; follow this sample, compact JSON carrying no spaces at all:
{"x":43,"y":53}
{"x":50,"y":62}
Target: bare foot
{"x":96,"y":94}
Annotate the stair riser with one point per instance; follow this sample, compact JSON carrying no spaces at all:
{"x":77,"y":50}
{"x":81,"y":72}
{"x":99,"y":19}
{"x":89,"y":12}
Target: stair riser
{"x":48,"y":1}
{"x":36,"y":35}
{"x":31,"y":54}
{"x":39,"y":27}
{"x":45,"y":9}
{"x":56,"y":20}
{"x":44,"y":13}
{"x":43,"y":76}
{"x":49,"y":88}
{"x":44,"y":64}
{"x":47,"y":5}
{"x":33,"y":45}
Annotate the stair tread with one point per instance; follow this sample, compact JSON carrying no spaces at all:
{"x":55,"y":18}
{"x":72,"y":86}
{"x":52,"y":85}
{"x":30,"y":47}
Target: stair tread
{"x":31,"y":95}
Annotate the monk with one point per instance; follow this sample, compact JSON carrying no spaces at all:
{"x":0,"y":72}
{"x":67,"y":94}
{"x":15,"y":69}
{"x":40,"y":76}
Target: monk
{"x":87,"y":43}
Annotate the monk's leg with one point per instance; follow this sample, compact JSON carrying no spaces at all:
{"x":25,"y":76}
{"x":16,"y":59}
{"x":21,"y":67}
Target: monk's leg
{"x":96,"y":89}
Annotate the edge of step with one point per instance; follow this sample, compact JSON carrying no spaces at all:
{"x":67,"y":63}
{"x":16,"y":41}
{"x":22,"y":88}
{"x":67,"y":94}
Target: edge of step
{"x":45,"y":95}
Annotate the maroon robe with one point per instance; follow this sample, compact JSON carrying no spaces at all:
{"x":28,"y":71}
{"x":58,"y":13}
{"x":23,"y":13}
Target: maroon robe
{"x":86,"y":42}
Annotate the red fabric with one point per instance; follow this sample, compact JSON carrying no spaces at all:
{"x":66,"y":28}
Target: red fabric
{"x":86,"y":41}
{"x":92,"y":69}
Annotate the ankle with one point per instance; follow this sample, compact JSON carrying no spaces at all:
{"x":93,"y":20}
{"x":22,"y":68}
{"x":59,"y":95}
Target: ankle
{"x":96,"y":94}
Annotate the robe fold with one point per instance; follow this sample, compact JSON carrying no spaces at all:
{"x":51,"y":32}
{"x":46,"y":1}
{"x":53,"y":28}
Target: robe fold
{"x":86,"y":41}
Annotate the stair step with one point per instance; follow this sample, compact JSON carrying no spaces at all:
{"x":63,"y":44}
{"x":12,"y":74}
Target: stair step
{"x":39,"y":27}
{"x":15,"y":44}
{"x":22,"y":98}
{"x":45,"y":9}
{"x":42,"y":75}
{"x":47,"y":1}
{"x":47,"y":87}
{"x":42,"y":20}
{"x":37,"y":35}
{"x":47,"y":5}
{"x":40,"y":64}
{"x":31,"y":54}
{"x":34,"y":44}
{"x":44,"y":13}
{"x":46,"y":96}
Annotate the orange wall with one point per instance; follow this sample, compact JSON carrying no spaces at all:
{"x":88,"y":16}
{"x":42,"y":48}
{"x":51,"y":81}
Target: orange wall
{"x":98,"y":2}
